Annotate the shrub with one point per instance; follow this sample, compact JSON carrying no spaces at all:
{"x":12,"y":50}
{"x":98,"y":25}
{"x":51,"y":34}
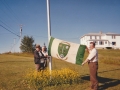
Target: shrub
{"x":57,"y":77}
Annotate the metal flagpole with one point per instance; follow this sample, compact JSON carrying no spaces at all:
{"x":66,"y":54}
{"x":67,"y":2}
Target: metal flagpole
{"x":49,"y":32}
{"x":48,"y":19}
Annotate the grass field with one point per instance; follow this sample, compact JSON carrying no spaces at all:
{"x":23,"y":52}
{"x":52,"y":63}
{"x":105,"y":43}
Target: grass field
{"x":13,"y":68}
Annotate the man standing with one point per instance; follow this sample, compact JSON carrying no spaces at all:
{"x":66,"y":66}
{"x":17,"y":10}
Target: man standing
{"x":44,"y":51}
{"x":38,"y":57}
{"x":92,"y":60}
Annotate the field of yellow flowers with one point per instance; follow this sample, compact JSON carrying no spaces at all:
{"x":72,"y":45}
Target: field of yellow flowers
{"x":45,"y":78}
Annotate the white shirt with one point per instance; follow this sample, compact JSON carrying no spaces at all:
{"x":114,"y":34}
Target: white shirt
{"x":45,"y":53}
{"x":42,"y":59}
{"x":93,"y":55}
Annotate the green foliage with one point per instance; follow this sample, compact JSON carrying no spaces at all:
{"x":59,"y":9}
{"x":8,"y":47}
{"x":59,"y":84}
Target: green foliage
{"x":27,"y":44}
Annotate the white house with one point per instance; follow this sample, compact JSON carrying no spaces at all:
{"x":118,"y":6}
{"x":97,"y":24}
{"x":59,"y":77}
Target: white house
{"x":102,"y":40}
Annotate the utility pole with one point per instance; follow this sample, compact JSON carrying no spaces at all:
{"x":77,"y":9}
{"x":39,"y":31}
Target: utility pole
{"x":20,"y":34}
{"x":14,"y":44}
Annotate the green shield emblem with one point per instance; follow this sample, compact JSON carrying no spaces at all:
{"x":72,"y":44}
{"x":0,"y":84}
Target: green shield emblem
{"x":63,"y":49}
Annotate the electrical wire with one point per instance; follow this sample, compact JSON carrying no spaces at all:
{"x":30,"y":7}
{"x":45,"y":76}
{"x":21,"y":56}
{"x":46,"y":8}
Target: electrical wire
{"x":47,"y":37}
{"x":10,"y":10}
{"x":5,"y":24}
{"x":8,"y":16}
{"x":34,"y":35}
{"x":9,"y":30}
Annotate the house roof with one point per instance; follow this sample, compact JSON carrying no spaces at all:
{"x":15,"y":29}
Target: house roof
{"x":113,"y":34}
{"x":100,"y":34}
{"x":98,"y":40}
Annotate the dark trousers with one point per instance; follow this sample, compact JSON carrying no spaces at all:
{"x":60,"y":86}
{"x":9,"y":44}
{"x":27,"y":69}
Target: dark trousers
{"x":37,"y":67}
{"x":93,"y":67}
{"x":42,"y":66}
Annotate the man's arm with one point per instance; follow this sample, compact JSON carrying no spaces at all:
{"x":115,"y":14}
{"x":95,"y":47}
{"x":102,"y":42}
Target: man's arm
{"x":43,"y":56}
{"x":90,"y":57}
{"x":36,"y":55}
{"x":85,"y":61}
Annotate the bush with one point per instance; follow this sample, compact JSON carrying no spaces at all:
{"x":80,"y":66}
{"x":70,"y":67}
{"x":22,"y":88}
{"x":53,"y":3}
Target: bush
{"x":42,"y":79}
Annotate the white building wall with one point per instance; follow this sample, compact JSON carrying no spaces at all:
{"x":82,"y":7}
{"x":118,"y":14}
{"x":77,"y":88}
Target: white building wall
{"x":82,"y":40}
{"x":102,"y":46}
{"x":88,"y":37}
{"x":118,"y":41}
{"x":108,"y":38}
{"x":93,"y":37}
{"x":103,"y":37}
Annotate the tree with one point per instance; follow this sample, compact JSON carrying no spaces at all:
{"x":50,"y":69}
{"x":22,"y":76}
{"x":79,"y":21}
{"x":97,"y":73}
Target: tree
{"x":27,"y":44}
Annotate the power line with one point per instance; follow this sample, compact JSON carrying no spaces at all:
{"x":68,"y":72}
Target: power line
{"x":5,"y":24}
{"x":12,"y":14}
{"x":34,"y":35}
{"x":9,"y":30}
{"x":9,"y":9}
{"x":8,"y":16}
{"x":47,"y":37}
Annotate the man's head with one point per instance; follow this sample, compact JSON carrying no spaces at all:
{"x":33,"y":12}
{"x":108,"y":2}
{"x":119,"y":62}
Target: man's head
{"x":43,"y":48}
{"x":38,"y":48}
{"x":92,"y":45}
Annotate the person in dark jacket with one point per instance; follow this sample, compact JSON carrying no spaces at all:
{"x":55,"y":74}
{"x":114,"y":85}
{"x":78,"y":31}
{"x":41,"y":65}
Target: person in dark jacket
{"x":38,"y":57}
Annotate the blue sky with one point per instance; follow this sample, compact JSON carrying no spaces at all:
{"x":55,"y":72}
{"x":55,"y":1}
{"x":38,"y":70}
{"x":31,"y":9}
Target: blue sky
{"x":70,"y":19}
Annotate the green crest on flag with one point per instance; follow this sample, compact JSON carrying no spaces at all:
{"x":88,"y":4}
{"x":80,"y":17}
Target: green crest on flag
{"x":63,"y":49}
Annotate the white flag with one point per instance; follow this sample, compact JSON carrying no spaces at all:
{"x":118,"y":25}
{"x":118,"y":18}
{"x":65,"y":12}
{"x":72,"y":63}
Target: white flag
{"x":67,"y":51}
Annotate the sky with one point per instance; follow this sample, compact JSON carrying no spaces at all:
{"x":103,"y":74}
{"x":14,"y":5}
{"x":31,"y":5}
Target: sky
{"x":70,"y":19}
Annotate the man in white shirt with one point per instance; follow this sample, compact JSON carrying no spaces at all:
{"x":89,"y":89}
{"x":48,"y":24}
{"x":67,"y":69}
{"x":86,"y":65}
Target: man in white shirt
{"x":44,"y":51}
{"x":92,"y":60}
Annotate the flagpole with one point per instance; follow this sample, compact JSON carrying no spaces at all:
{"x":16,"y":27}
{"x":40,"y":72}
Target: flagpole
{"x":48,"y":20}
{"x":49,"y":32}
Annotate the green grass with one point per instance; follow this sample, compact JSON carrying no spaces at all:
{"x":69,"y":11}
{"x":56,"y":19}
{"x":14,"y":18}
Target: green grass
{"x":109,"y":56}
{"x":13,"y":68}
